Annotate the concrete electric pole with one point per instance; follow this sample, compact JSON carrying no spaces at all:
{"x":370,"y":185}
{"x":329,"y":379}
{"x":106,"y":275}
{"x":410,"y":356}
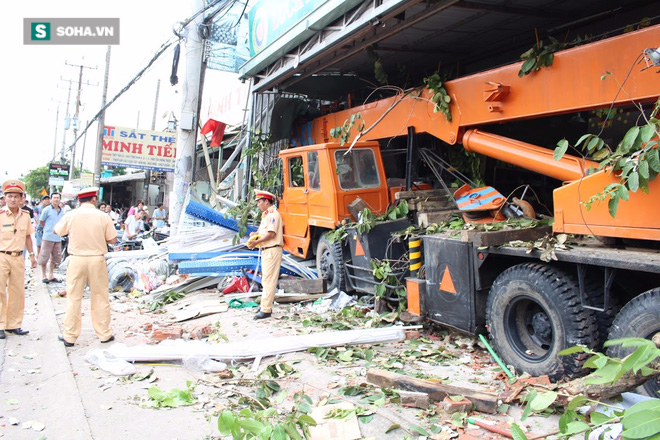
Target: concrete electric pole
{"x":183,"y":169}
{"x":101,"y":120}
{"x":75,"y":119}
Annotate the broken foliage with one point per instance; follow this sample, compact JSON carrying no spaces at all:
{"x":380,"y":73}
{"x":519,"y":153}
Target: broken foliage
{"x":167,"y":298}
{"x":170,"y":399}
{"x":268,"y":423}
{"x":580,"y":412}
{"x":548,"y":245}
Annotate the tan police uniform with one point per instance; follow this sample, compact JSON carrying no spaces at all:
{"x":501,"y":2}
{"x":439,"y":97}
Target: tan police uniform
{"x":271,"y":256}
{"x":15,"y":230}
{"x":89,"y":230}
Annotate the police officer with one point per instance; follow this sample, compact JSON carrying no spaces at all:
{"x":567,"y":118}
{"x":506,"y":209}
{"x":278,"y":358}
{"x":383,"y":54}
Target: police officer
{"x":89,"y":231}
{"x":15,"y":235}
{"x":270,"y":240}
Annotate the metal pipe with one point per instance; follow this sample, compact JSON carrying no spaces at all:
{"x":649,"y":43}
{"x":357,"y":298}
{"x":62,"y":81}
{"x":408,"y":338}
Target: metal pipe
{"x":527,"y":156}
{"x":409,"y":151}
{"x":496,"y":357}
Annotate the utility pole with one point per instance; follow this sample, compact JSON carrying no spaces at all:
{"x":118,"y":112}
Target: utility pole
{"x":101,"y":128}
{"x":75,"y":120}
{"x":57,"y":119}
{"x":147,"y":173}
{"x":66,"y":126}
{"x":189,"y":113}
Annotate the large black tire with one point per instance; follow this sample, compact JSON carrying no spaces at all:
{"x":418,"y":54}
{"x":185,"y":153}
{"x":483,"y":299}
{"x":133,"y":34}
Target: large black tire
{"x":330,"y":264}
{"x":640,"y":318}
{"x":533,"y":312}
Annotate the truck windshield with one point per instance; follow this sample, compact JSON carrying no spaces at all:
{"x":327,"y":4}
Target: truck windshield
{"x":357,"y":169}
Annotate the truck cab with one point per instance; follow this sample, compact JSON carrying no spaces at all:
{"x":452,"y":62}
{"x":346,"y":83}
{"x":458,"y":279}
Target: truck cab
{"x":320,"y":181}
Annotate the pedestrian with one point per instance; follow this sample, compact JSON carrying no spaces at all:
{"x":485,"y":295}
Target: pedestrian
{"x":25,"y":206}
{"x":111,"y":213}
{"x":45,"y":202}
{"x":15,"y":235}
{"x":270,"y":240}
{"x":90,"y":231}
{"x":51,"y":248}
{"x":102,"y":206}
{"x":139,"y":206}
{"x":133,"y":226}
{"x":160,"y":216}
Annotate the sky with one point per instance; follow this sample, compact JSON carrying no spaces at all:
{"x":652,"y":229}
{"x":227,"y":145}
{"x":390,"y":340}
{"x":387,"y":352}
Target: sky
{"x":33,"y":78}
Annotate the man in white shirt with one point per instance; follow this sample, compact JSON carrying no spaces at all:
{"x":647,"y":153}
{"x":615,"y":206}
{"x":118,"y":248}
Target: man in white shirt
{"x":111,"y":213}
{"x":134,"y":226}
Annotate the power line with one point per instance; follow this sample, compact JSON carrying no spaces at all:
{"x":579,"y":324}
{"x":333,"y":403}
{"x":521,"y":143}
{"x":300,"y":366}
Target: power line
{"x":162,"y":49}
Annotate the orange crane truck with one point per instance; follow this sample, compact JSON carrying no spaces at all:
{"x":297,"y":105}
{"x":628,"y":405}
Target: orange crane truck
{"x":606,"y":285}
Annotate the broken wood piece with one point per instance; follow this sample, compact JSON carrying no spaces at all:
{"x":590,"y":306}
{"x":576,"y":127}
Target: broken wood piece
{"x":285,"y":298}
{"x":483,"y":401}
{"x":346,"y":428}
{"x":424,"y":219}
{"x":299,"y":285}
{"x":496,"y":238}
{"x":414,"y":399}
{"x":423,"y":193}
{"x":355,"y":207}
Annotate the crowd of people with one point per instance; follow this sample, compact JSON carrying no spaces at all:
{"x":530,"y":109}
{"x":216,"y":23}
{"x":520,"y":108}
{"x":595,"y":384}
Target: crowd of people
{"x":89,"y":228}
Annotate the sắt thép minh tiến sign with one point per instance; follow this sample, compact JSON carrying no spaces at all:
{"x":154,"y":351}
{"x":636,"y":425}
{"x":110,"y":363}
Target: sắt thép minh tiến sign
{"x":142,"y":149}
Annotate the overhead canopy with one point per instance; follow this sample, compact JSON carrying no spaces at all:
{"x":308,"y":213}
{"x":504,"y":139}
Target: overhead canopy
{"x":408,"y":40}
{"x":125,"y":178}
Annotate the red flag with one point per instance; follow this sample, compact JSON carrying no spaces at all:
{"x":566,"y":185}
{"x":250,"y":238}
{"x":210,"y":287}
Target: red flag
{"x":218,"y":130}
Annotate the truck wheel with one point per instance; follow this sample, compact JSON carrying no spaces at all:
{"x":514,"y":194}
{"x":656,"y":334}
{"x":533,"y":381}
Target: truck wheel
{"x":533,"y":312}
{"x":640,"y":318}
{"x":330,"y":264}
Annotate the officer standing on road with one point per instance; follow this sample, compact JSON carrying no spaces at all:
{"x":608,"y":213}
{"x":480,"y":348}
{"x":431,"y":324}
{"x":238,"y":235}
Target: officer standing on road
{"x":89,"y":231}
{"x":15,"y":235}
{"x":270,"y":241}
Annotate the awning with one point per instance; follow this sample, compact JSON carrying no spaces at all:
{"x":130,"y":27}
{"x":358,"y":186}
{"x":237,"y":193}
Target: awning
{"x":125,"y":178}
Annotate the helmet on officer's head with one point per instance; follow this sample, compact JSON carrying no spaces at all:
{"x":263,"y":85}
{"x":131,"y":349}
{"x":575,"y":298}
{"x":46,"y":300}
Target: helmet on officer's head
{"x":13,"y":186}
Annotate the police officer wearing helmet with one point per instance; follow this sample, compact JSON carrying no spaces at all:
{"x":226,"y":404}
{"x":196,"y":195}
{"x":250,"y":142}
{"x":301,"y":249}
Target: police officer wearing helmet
{"x":269,"y":238}
{"x":15,"y":235}
{"x":89,"y":231}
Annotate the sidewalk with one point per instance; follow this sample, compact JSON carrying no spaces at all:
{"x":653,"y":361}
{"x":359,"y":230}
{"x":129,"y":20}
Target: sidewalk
{"x":36,"y":378}
{"x":44,"y":384}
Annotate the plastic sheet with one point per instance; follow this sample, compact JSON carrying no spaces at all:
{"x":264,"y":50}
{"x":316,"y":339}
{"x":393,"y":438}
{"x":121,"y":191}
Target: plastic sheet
{"x":250,"y":349}
{"x":107,"y":362}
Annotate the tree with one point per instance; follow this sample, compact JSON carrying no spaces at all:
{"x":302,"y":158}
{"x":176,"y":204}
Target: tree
{"x":36,"y":180}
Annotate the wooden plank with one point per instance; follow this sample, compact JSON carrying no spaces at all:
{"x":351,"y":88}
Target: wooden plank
{"x":285,"y":298}
{"x":299,"y":285}
{"x":496,"y":238}
{"x":424,"y":193}
{"x":426,"y":218}
{"x":483,"y":401}
{"x":434,"y":205}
